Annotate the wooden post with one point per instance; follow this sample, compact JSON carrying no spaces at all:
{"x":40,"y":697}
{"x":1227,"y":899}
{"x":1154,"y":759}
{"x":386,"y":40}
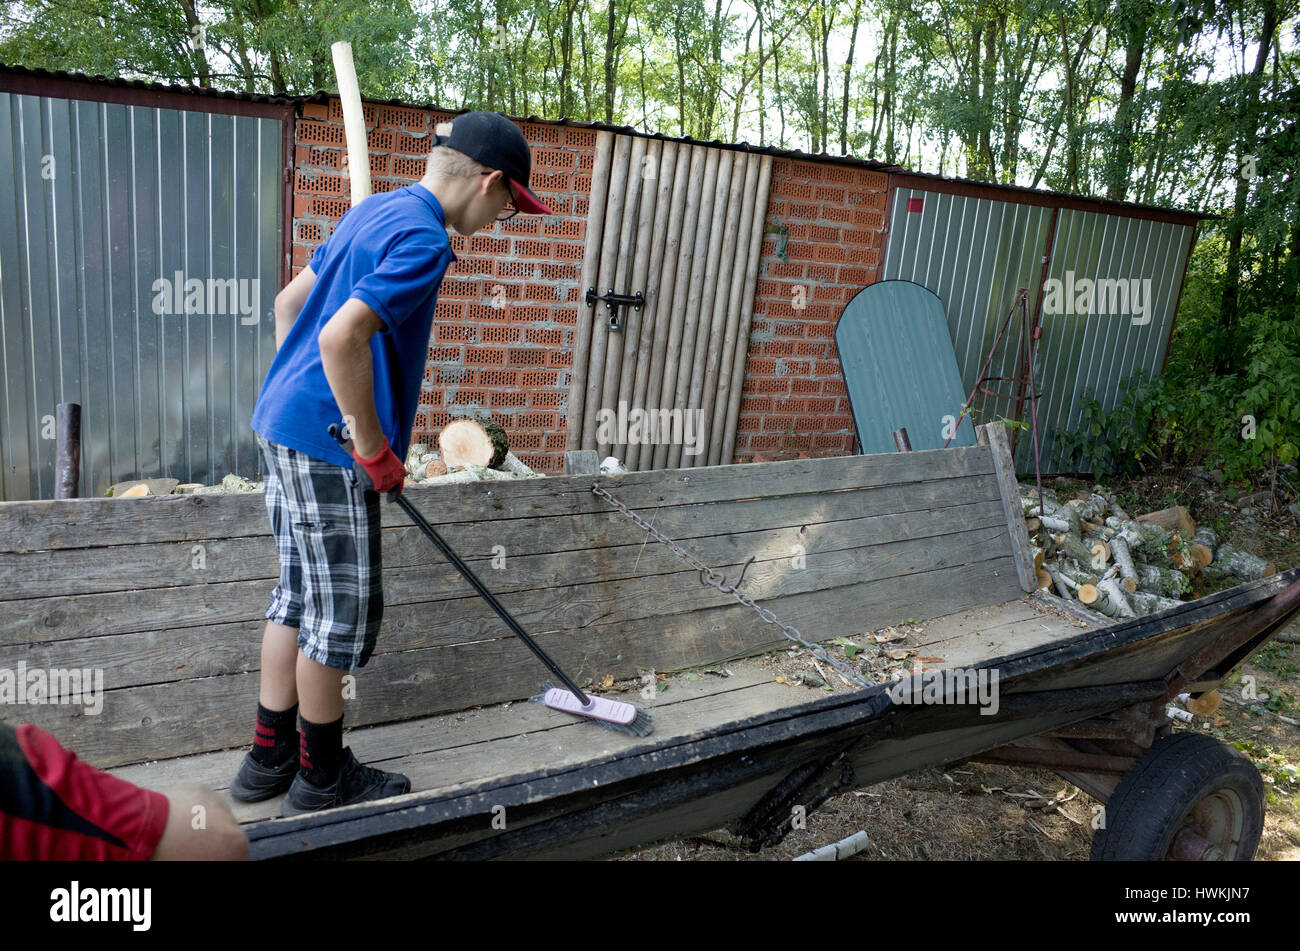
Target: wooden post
{"x":581,"y":462}
{"x":746,"y":308}
{"x":740,"y":271}
{"x":635,"y":320}
{"x":664,"y":306}
{"x":590,"y":263}
{"x":67,"y":471}
{"x":604,"y":280}
{"x":694,"y":344}
{"x":901,"y":441}
{"x":994,"y":435}
{"x":691,"y":282}
{"x":726,"y":303}
{"x":651,"y":282}
{"x":622,"y":274}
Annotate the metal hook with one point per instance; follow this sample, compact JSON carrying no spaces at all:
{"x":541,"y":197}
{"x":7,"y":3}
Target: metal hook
{"x":722,"y":585}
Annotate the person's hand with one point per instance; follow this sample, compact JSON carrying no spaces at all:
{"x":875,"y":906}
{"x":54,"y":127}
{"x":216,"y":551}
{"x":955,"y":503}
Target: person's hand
{"x":384,"y":471}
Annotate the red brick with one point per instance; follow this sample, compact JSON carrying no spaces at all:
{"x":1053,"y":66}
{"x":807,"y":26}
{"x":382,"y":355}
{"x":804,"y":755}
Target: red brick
{"x":320,"y":133}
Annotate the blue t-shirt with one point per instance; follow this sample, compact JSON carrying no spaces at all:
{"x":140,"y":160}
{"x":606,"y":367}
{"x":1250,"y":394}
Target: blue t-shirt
{"x":390,"y":251}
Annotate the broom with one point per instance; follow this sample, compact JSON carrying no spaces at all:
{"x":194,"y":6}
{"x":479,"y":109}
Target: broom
{"x":611,"y":714}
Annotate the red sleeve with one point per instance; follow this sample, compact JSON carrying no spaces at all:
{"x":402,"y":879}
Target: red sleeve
{"x":53,"y":806}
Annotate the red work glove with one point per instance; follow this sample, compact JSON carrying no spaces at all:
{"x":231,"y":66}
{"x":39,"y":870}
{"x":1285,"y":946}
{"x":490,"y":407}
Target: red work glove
{"x":384,"y":470}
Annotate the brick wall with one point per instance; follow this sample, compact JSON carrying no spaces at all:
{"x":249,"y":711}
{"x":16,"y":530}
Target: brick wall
{"x":505,"y":323}
{"x":794,"y":403}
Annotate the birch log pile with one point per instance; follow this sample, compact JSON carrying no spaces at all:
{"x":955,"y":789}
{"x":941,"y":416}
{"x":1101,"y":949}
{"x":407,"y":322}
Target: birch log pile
{"x":1089,"y":549}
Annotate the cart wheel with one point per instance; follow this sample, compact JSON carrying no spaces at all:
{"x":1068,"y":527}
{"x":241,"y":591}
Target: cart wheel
{"x":1188,"y":798}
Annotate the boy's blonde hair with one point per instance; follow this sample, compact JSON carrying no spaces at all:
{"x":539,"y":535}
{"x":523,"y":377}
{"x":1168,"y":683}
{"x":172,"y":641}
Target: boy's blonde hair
{"x":446,"y":162}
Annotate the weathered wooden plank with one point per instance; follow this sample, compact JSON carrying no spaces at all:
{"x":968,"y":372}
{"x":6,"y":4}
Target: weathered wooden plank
{"x":1094,"y":619}
{"x":552,"y":738}
{"x":579,"y":578}
{"x":150,"y":657}
{"x":88,"y":523}
{"x":72,"y":571}
{"x":163,"y":720}
{"x":1001,"y":640}
{"x":994,"y":436}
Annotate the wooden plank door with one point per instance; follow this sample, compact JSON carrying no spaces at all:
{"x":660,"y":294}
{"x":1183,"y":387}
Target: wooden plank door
{"x":659,"y":385}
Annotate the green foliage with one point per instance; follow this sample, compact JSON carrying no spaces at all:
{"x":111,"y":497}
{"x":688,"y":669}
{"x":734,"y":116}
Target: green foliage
{"x":1123,"y":438}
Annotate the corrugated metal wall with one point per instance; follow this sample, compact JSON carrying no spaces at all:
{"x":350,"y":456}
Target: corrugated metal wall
{"x":98,"y":202}
{"x":1101,"y":350}
{"x":974,"y":253}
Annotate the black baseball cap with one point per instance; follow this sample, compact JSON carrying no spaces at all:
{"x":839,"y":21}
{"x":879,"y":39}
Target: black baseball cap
{"x":493,"y":140}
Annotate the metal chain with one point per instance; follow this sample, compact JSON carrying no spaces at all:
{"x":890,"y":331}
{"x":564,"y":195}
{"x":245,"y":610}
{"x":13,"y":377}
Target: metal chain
{"x":709,"y":576}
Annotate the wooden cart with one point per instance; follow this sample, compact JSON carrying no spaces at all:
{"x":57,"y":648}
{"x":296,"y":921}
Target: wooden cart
{"x":165,"y":597}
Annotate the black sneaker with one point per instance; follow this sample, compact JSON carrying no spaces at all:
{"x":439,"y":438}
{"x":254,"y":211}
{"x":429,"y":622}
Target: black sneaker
{"x":356,"y":783}
{"x":255,"y":782}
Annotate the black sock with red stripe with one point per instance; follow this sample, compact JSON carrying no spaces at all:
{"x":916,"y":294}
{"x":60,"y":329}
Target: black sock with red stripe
{"x":275,"y":735}
{"x":320,"y":753}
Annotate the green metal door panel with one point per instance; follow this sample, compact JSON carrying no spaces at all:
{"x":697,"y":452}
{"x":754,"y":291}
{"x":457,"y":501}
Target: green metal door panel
{"x":900,"y":369}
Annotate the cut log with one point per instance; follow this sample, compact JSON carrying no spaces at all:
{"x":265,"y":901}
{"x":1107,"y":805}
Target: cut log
{"x":1082,"y":554}
{"x":1079,"y":574}
{"x":1107,"y":597}
{"x":1162,"y":581}
{"x":434,"y":468}
{"x":119,"y":490}
{"x":1089,"y":508}
{"x":1044,"y":578}
{"x":1032,"y":525}
{"x":1173,"y":519}
{"x":1242,"y":564}
{"x":1209,"y":538}
{"x":467,"y":442}
{"x":1064,"y":520}
{"x":1137,"y":533}
{"x":1063,"y":584}
{"x":1144,"y":602}
{"x":1124,"y":561}
{"x":512,"y":464}
{"x":1201,"y":554}
{"x":1039,"y":556}
{"x":1100,"y":554}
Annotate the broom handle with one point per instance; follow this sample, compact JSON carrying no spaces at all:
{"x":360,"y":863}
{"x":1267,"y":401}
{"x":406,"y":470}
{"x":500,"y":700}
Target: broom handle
{"x":415,"y":516}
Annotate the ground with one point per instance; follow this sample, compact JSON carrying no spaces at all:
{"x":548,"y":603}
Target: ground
{"x":981,"y":811}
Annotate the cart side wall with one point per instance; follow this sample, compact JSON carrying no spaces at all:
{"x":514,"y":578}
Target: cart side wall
{"x":163,"y":598}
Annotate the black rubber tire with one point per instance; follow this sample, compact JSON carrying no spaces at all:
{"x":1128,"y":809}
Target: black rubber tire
{"x":1157,"y":795}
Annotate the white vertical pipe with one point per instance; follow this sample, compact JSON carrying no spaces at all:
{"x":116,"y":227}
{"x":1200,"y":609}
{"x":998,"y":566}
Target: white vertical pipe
{"x":354,"y":122}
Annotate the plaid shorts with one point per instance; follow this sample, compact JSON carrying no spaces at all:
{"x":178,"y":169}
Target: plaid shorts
{"x":326,"y":531}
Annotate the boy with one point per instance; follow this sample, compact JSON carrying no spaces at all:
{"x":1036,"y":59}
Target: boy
{"x":352,"y":332}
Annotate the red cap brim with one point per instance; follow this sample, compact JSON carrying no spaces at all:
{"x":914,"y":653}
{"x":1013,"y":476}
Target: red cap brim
{"x":527,"y":202}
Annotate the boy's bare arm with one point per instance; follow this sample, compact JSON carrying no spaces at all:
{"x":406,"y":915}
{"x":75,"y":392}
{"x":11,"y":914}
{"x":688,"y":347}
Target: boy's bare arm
{"x":345,"y":356}
{"x":288,"y":303}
